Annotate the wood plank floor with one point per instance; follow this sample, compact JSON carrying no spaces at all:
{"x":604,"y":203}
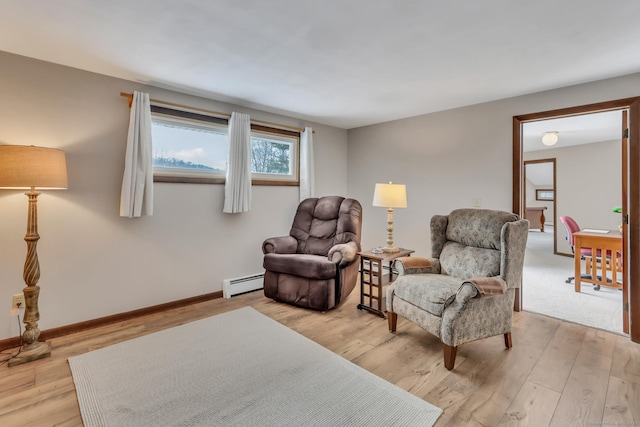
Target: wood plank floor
{"x":556,"y":374}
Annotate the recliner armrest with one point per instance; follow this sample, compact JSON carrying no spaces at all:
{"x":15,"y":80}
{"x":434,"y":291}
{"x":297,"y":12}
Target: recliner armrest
{"x":343,"y":253}
{"x":417,"y":265}
{"x":280,"y":245}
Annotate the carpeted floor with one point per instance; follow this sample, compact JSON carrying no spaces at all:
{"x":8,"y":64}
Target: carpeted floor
{"x":239,"y":368}
{"x":545,"y":290}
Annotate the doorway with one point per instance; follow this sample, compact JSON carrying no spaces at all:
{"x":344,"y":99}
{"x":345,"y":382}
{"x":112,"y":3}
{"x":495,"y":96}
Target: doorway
{"x":631,"y":199}
{"x":548,"y":275}
{"x":539,"y":197}
{"x":581,"y":143}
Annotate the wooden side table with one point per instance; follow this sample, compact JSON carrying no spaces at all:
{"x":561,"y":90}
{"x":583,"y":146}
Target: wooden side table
{"x":373,"y":280}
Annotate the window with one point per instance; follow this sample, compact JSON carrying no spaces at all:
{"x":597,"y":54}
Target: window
{"x":188,"y":147}
{"x":191,"y":147}
{"x":544,"y":195}
{"x":274,"y":158}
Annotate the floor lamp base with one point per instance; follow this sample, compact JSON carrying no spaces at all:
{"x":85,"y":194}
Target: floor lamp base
{"x":30,"y":352}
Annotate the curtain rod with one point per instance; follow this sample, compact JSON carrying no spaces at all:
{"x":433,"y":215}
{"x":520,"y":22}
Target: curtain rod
{"x":213,"y":113}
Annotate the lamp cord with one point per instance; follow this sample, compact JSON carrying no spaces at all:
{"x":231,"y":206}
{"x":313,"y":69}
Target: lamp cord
{"x":12,"y":356}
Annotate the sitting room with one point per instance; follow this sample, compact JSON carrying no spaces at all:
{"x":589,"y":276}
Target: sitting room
{"x":149,"y":152}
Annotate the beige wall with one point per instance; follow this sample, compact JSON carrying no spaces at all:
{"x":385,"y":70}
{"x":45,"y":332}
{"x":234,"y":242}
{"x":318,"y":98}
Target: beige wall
{"x":449,"y":158}
{"x":589,"y":185}
{"x":95,"y":263}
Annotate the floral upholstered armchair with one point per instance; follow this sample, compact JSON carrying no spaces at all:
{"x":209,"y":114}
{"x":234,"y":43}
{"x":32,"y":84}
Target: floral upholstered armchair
{"x":466,"y":290}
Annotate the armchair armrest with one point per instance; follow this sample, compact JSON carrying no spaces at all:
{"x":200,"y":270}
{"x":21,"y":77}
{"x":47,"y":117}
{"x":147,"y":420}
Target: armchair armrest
{"x":280,"y":245}
{"x":343,"y":253}
{"x":488,"y":285}
{"x":417,"y":265}
{"x":477,"y":287}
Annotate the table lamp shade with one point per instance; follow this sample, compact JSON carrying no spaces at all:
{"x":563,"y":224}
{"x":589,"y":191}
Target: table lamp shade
{"x":23,"y":166}
{"x":390,"y":195}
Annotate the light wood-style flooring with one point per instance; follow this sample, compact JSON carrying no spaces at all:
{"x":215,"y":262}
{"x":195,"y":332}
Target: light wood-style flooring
{"x":556,"y":374}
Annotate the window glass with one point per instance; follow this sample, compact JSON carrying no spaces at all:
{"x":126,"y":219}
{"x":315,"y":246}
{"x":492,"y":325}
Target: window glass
{"x":187,"y":148}
{"x":274,"y":157}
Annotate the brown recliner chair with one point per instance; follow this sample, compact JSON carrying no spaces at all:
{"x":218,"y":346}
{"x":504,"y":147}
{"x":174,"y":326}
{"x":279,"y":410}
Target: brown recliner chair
{"x":316,"y":265}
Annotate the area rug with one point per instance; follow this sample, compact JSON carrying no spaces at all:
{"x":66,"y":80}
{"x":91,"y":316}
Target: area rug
{"x":239,"y":368}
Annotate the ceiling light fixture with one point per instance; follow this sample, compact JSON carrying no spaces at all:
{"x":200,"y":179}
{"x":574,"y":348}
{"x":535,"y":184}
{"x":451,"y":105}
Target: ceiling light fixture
{"x":550,"y":138}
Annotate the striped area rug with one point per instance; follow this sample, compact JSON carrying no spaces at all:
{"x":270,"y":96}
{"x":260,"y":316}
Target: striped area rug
{"x":239,"y":368}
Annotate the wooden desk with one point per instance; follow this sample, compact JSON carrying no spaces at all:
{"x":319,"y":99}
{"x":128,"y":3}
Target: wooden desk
{"x":596,"y":270}
{"x":373,"y":280}
{"x":535,"y":215}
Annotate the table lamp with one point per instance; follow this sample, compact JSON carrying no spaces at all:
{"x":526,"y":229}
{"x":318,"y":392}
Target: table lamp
{"x":32,"y":167}
{"x":390,"y":196}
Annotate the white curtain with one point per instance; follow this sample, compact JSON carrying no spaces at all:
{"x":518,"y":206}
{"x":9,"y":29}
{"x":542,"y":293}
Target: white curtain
{"x":237,"y":187}
{"x":136,"y":196}
{"x":307,"y":180}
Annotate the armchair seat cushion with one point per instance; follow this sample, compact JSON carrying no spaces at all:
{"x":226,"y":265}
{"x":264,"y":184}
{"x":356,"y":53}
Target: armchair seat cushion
{"x":303,"y":265}
{"x":429,"y":292}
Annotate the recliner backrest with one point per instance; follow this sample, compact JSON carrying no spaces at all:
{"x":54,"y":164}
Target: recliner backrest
{"x":472,"y":242}
{"x":321,"y":223}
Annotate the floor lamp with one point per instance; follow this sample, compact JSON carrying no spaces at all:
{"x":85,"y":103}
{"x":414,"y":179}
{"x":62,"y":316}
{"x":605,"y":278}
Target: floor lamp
{"x":390,"y":196}
{"x":32,"y":167}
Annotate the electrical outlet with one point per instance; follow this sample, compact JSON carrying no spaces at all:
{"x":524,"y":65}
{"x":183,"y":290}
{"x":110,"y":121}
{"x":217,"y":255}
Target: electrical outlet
{"x":477,"y":201}
{"x":18,"y":301}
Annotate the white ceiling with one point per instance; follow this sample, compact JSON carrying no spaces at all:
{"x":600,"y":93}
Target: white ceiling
{"x":575,"y":130}
{"x":341,"y":63}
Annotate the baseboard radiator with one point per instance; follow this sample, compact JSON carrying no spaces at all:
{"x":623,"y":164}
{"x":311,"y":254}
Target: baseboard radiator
{"x":240,"y":285}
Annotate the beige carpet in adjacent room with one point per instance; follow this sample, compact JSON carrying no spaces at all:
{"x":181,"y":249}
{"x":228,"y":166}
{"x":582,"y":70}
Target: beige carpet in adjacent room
{"x":545,"y":290}
{"x":239,"y":368}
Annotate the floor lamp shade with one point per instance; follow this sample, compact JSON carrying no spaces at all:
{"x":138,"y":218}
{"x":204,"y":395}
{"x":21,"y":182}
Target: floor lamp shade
{"x":23,"y":166}
{"x":390,"y":196}
{"x":32,"y":168}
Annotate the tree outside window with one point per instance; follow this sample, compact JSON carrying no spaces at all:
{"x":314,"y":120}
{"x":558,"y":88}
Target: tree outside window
{"x":272,"y":157}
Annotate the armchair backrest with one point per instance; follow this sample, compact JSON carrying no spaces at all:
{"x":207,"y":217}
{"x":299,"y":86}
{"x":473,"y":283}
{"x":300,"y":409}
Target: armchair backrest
{"x":321,"y":223}
{"x":472,"y":243}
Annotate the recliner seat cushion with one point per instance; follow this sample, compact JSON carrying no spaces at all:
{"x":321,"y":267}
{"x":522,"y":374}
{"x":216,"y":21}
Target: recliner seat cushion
{"x":310,"y":266}
{"x":430,"y":292}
